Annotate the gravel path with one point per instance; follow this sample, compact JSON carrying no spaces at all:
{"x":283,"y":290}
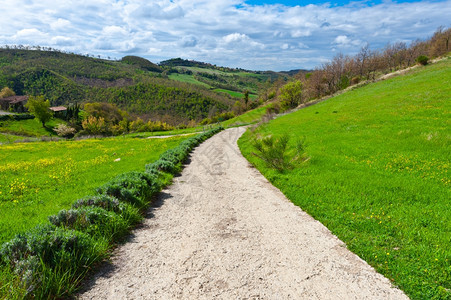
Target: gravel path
{"x":222,"y":231}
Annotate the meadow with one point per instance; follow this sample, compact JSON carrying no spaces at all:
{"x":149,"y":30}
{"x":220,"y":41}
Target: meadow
{"x":6,"y":138}
{"x":28,"y":128}
{"x":39,"y":179}
{"x":236,"y":94}
{"x":249,"y":117}
{"x":187,"y":79}
{"x":377,"y":174}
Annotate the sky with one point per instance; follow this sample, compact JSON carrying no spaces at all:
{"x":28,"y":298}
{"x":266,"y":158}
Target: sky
{"x":253,"y":34}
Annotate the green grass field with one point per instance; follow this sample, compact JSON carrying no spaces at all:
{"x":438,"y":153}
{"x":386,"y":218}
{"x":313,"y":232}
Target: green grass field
{"x":9,"y":138}
{"x":236,"y":94}
{"x":187,"y":78}
{"x":248,"y":117}
{"x":39,"y":179}
{"x":30,"y":128}
{"x":378,"y":174}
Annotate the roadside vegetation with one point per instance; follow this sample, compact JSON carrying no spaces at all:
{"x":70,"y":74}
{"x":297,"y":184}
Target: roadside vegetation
{"x":377,"y":174}
{"x":249,"y":117}
{"x":114,"y":181}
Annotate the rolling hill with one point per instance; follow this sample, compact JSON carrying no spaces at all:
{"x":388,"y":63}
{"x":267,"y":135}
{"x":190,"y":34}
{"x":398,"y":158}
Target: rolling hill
{"x":133,"y":83}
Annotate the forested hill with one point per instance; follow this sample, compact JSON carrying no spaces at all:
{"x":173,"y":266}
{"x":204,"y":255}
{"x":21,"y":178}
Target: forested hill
{"x":133,"y":83}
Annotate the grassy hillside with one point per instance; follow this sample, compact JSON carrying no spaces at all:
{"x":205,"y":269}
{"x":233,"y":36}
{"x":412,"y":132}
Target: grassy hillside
{"x":39,"y":179}
{"x":134,"y":84}
{"x":378,"y":174}
{"x":229,"y":81}
{"x":29,"y":128}
{"x":248,"y":117}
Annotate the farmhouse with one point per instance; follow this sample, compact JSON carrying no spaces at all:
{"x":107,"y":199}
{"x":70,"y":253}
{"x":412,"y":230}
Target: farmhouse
{"x":59,"y":111}
{"x":14,"y":103}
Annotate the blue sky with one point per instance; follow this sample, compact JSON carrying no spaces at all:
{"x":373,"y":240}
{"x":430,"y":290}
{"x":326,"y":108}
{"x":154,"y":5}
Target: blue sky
{"x":257,"y":35}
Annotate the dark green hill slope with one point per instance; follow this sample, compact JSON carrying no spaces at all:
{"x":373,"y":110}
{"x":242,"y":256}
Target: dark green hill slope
{"x":134,"y":84}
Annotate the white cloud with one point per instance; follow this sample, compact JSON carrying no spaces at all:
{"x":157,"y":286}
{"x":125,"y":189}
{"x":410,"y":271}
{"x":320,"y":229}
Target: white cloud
{"x":235,"y":37}
{"x":300,"y":33}
{"x":223,"y":32}
{"x":29,"y":33}
{"x":342,"y":40}
{"x":242,"y":40}
{"x":114,"y":31}
{"x":60,"y":24}
{"x":62,"y":41}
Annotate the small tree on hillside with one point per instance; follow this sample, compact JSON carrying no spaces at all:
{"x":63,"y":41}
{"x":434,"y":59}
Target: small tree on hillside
{"x":291,"y":95}
{"x":40,"y":108}
{"x":246,"y":98}
{"x":6,"y":92}
{"x":423,"y":60}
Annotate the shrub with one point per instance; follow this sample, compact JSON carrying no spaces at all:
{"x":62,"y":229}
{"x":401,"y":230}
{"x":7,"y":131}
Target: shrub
{"x":6,"y":92}
{"x":93,"y":125}
{"x":16,"y":117}
{"x":274,"y":151}
{"x":45,"y":248}
{"x":65,"y":131}
{"x":273,"y":108}
{"x":162,"y":165}
{"x":291,"y":95}
{"x":104,"y":201}
{"x":95,"y":221}
{"x":133,"y":187}
{"x":422,"y":60}
{"x":129,"y":213}
{"x":355,"y":80}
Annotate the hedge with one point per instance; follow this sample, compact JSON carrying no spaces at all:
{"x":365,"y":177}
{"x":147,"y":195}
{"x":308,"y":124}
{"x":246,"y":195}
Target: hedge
{"x":16,"y":117}
{"x":50,"y":260}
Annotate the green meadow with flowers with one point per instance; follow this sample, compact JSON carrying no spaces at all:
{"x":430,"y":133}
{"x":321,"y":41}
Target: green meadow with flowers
{"x":41,"y":178}
{"x":377,"y":174}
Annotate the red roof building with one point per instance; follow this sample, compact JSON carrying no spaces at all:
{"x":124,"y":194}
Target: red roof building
{"x":15,"y":102}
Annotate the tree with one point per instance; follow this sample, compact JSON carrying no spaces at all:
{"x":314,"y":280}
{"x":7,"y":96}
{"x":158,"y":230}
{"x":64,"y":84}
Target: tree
{"x":93,"y":125}
{"x":6,"y":92}
{"x":246,"y":98}
{"x":291,"y":94}
{"x":109,"y":112}
{"x":40,"y":108}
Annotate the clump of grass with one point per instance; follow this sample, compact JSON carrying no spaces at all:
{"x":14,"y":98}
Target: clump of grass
{"x":273,"y":151}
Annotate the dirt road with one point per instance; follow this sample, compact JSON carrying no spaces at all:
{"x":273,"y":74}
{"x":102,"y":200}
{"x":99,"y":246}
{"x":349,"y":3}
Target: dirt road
{"x":221,"y":231}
